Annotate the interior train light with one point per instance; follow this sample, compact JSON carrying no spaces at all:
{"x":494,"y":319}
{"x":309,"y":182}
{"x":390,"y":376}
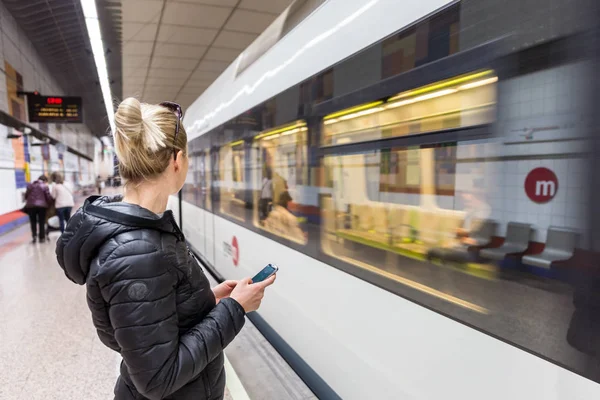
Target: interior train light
{"x":236,"y":143}
{"x":443,"y":84}
{"x":475,"y":84}
{"x":300,"y":125}
{"x":353,"y":110}
{"x":427,"y":96}
{"x":435,"y":90}
{"x":92,"y":23}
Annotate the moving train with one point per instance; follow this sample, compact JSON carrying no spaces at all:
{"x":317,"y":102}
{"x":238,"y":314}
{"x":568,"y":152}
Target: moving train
{"x":353,"y":138}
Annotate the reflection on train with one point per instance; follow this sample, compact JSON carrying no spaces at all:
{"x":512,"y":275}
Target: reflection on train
{"x":456,"y":183}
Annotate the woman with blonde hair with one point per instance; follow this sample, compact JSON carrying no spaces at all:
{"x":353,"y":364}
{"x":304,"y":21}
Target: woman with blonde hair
{"x":63,"y":199}
{"x":149,"y":298}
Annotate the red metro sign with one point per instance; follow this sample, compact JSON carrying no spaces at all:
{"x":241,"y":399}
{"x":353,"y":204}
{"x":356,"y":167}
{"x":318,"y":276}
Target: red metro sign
{"x":541,"y":185}
{"x":235,"y":254}
{"x":232,"y":250}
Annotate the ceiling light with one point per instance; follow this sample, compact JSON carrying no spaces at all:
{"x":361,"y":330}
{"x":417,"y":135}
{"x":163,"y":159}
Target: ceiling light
{"x":475,"y":84}
{"x":93,"y":27}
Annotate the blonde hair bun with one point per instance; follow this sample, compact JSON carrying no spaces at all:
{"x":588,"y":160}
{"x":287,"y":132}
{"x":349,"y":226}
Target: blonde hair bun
{"x":142,"y":132}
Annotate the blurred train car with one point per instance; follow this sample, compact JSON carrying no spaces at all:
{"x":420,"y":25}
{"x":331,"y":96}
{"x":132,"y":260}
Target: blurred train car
{"x":423,"y":187}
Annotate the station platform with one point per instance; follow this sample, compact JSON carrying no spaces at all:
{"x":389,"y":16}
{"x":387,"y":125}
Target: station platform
{"x":50,"y":350}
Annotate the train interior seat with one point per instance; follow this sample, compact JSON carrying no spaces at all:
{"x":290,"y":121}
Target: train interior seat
{"x":405,"y":229}
{"x":560,"y":246}
{"x":483,"y":231}
{"x":516,"y":242}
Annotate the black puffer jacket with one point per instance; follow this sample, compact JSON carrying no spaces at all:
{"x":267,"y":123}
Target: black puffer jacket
{"x":150,"y":301}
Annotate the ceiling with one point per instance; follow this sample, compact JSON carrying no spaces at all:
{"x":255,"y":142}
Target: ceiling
{"x":174,"y":49}
{"x":58,"y":32}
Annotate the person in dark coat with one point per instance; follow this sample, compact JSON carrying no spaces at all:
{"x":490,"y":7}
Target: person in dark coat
{"x":149,"y":298}
{"x":37,"y":201}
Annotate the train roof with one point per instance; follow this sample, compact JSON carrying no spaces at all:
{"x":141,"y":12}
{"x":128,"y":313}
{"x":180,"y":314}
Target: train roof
{"x":330,"y":34}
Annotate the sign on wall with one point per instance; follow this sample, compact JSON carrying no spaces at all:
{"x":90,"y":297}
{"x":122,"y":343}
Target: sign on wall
{"x":54,"y":109}
{"x":541,"y":185}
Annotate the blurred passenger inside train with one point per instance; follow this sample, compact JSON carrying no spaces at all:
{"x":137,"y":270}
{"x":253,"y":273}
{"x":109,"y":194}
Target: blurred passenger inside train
{"x":63,"y":199}
{"x":476,"y":211}
{"x":282,"y":222}
{"x":266,"y":194}
{"x":150,"y":300}
{"x":37,"y":201}
{"x":100,"y":184}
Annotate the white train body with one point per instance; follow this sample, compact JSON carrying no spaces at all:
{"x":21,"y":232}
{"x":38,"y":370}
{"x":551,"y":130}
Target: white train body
{"x":361,"y":340}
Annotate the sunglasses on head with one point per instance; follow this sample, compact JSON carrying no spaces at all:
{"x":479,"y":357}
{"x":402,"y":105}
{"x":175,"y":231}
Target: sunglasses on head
{"x":176,"y":109}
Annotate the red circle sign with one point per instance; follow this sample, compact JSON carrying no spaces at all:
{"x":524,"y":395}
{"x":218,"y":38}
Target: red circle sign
{"x":235,"y":254}
{"x":541,"y":185}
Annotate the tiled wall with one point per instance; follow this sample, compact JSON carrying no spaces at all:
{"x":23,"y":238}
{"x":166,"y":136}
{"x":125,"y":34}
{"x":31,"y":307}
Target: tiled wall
{"x":523,"y":23}
{"x":549,"y":99}
{"x":18,"y":51}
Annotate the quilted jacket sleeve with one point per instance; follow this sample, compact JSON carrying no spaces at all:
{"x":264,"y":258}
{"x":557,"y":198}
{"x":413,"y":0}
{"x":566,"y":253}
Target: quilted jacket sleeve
{"x":141,"y":302}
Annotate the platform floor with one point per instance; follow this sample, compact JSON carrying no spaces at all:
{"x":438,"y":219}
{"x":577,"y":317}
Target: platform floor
{"x":49,"y":348}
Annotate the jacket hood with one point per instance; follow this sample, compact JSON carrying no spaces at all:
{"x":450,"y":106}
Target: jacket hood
{"x":99,"y":220}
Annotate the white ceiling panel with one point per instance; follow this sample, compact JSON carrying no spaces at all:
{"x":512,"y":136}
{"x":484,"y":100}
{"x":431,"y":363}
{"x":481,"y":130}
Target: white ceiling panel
{"x":197,"y":91}
{"x":205,"y":75}
{"x":186,"y":99}
{"x":193,"y":42}
{"x":138,"y":48}
{"x":137,"y":79}
{"x":131,"y":60}
{"x":132,"y":92}
{"x":168,"y":72}
{"x":275,"y":7}
{"x":187,"y":64}
{"x":234,"y":40}
{"x":164,"y":81}
{"x":249,"y":21}
{"x":196,"y":86}
{"x":219,"y":54}
{"x":141,"y":10}
{"x":161,"y":93}
{"x":186,"y":35}
{"x":198,"y":16}
{"x":212,"y":66}
{"x":179,"y":50}
{"x":135,"y":73}
{"x":139,"y":31}
{"x":222,"y":3}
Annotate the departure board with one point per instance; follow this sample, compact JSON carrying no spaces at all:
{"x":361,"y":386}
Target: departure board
{"x":54,"y":109}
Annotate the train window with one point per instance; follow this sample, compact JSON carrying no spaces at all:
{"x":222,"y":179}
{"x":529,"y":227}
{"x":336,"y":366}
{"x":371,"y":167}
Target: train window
{"x":463,"y":101}
{"x":400,"y":170}
{"x":232,"y":182}
{"x":204,"y":180}
{"x":190,"y":185}
{"x":366,"y":220}
{"x":280,"y":171}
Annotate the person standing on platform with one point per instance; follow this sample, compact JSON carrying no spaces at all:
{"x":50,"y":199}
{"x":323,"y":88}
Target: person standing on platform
{"x":150,"y":300}
{"x":63,"y":199}
{"x":37,"y":200}
{"x":99,"y":184}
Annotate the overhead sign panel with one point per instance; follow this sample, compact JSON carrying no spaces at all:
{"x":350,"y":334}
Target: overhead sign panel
{"x":55,"y":109}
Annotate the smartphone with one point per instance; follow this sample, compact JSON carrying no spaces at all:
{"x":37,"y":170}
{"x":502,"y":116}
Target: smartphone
{"x":266,"y":273}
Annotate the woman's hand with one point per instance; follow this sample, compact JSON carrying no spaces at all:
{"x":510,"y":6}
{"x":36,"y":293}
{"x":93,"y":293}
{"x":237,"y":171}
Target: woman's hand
{"x":224,"y":289}
{"x":249,"y":295}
